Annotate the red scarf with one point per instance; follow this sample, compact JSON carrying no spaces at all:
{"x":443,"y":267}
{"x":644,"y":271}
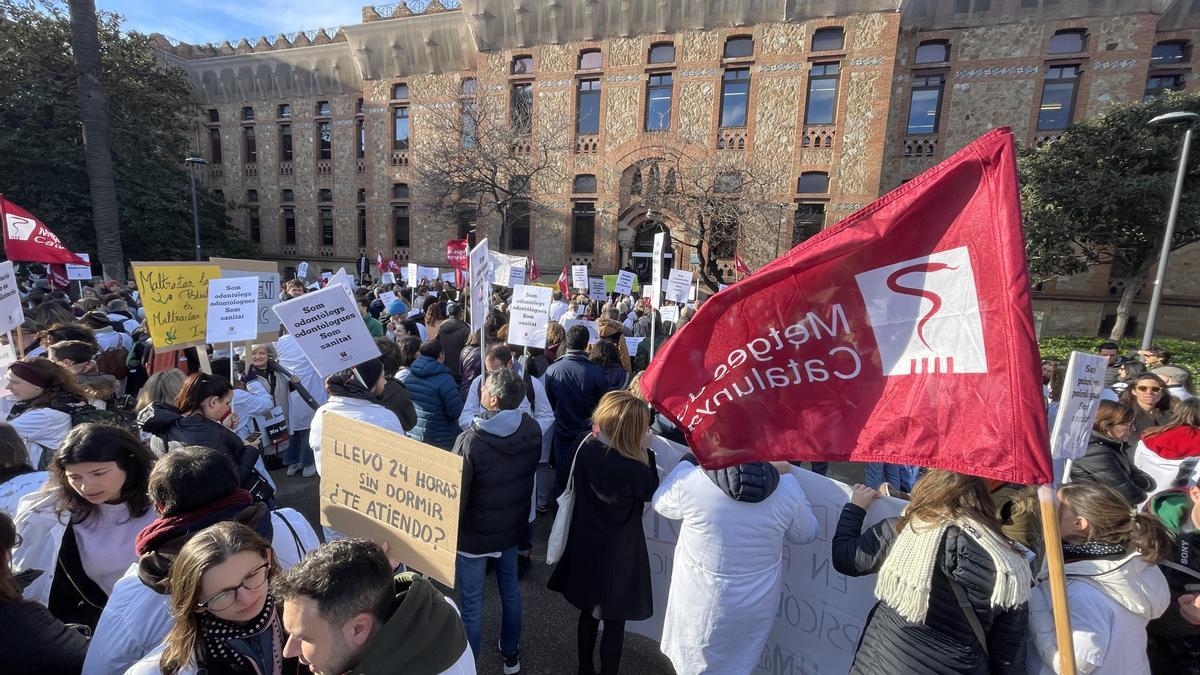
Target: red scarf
{"x":162,"y":528}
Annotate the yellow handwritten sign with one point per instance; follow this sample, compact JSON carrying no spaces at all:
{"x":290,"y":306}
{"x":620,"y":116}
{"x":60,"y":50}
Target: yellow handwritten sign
{"x":383,"y":486}
{"x":175,"y":297}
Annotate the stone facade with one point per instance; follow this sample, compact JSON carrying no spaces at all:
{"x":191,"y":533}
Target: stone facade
{"x":994,"y":74}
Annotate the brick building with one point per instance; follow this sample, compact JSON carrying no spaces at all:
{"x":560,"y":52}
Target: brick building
{"x":315,"y":138}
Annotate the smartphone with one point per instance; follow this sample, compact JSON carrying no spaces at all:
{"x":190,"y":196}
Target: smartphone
{"x":253,"y":438}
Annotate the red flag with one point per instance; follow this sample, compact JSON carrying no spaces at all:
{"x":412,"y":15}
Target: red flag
{"x":902,"y":334}
{"x":740,"y":266}
{"x":27,"y":239}
{"x":58,"y":275}
{"x":564,"y":283}
{"x":379,"y":264}
{"x":393,"y":266}
{"x":456,"y":253}
{"x":533,"y":270}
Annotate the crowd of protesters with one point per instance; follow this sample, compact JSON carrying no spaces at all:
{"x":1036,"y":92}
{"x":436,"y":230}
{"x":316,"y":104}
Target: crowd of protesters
{"x":140,"y":530}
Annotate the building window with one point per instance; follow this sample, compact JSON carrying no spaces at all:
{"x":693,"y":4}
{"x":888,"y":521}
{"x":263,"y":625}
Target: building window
{"x":735,"y":92}
{"x":635,"y":182}
{"x":249,"y":145}
{"x":469,"y":112}
{"x":468,"y":87}
{"x":251,"y":196}
{"x":326,"y":227}
{"x":219,"y":195}
{"x":739,"y":47}
{"x":585,"y":183}
{"x":323,"y":109}
{"x":933,"y":51}
{"x":1058,"y":97}
{"x":821,"y":106}
{"x":587,"y":112}
{"x":214,"y":145}
{"x":1157,"y":84}
{"x":325,"y":195}
{"x":255,"y":225}
{"x":466,"y":226}
{"x":658,"y":103}
{"x":583,"y":228}
{"x":400,"y":225}
{"x":662,"y":52}
{"x":400,"y":127}
{"x":1071,"y":41}
{"x":1168,"y":53}
{"x":285,"y":142}
{"x":362,"y":227}
{"x":248,"y":113}
{"x":813,"y":182}
{"x":360,"y":197}
{"x":286,"y":196}
{"x":284,"y":110}
{"x":591,"y":59}
{"x":522,"y":65}
{"x":324,"y":141}
{"x":400,"y":191}
{"x":828,"y":39}
{"x":214,"y":117}
{"x":518,"y":225}
{"x":360,"y":132}
{"x":358,"y":106}
{"x":925,"y":103}
{"x":520,"y":113}
{"x":289,"y":226}
{"x":400,"y":92}
{"x":808,"y":221}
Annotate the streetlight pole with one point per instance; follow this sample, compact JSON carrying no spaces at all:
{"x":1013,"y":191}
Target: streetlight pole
{"x":192,"y":162}
{"x":1191,"y":120}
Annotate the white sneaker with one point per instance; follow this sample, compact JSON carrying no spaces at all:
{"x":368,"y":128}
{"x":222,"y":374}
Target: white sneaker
{"x":295,"y":469}
{"x":310,"y":471}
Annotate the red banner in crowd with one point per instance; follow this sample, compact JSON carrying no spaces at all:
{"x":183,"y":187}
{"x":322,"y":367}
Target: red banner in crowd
{"x":902,"y":334}
{"x":27,"y":239}
{"x":564,"y":283}
{"x":456,"y":253}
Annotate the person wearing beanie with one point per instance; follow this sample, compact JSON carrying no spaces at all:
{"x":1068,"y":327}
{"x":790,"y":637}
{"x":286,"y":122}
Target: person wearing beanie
{"x":354,"y":393}
{"x":397,"y":308}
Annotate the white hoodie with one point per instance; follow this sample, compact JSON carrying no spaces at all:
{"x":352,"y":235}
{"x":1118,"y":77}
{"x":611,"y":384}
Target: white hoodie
{"x":1111,"y":602}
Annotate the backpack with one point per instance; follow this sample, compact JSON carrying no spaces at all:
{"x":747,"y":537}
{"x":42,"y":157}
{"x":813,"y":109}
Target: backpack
{"x":113,"y":361}
{"x":86,"y":414}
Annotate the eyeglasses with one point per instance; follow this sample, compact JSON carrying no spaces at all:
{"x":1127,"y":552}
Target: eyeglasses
{"x":1152,"y":390}
{"x":225,"y":599}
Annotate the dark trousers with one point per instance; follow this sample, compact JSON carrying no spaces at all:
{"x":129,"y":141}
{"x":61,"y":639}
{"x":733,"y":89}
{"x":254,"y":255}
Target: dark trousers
{"x":611,"y":644}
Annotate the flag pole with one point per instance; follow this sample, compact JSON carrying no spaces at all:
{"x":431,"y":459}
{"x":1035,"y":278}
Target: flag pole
{"x":1048,"y":501}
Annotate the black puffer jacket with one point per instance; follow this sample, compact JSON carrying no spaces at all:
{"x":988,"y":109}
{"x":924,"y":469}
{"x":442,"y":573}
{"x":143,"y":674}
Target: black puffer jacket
{"x":1107,"y":461}
{"x":168,"y":427}
{"x":945,"y":643}
{"x":500,"y":454}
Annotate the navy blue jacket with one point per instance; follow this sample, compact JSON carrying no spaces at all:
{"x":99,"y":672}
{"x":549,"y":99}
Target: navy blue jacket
{"x":574,"y":386}
{"x":435,"y":396}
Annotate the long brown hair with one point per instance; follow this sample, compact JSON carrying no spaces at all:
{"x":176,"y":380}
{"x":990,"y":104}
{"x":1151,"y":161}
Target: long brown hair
{"x":624,"y":420}
{"x":1109,"y":415}
{"x":98,"y":442}
{"x":10,"y":590}
{"x":14,"y":456}
{"x":206,"y":549}
{"x":58,"y":380}
{"x":1186,"y":414}
{"x":1112,"y":520}
{"x":1129,"y":398}
{"x":942,"y":495}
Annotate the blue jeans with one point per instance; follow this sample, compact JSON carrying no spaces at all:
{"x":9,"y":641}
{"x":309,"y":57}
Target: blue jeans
{"x":298,"y":450}
{"x":471,"y":574}
{"x":901,"y":476}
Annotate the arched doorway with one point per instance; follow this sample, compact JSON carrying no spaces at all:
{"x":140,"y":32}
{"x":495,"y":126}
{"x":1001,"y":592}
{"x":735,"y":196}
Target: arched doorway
{"x":641,"y":258}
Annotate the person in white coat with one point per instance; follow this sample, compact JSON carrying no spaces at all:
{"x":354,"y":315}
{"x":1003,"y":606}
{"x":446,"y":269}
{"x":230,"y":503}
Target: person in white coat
{"x":1114,"y":587}
{"x":299,"y":454}
{"x":728,"y":563}
{"x":348,"y":397}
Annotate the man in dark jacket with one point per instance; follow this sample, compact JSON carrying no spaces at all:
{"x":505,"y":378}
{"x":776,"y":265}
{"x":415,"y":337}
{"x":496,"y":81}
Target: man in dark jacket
{"x":500,"y":452}
{"x":453,"y":334}
{"x":574,"y":386}
{"x":435,"y":396}
{"x":1174,"y":638}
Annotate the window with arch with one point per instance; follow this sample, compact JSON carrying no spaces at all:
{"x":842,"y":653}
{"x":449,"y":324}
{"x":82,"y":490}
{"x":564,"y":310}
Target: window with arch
{"x":828,"y":39}
{"x":933,"y":51}
{"x":400,"y":91}
{"x":1169,"y":53}
{"x":591,"y":59}
{"x":813,"y":182}
{"x":662,"y":52}
{"x":739,"y":47}
{"x":1070,"y":41}
{"x":522,"y":65}
{"x":585,"y":183}
{"x":635,"y":182}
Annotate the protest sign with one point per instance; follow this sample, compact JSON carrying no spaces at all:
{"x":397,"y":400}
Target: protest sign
{"x":175,"y":297}
{"x":456,"y":253}
{"x":341,"y":277}
{"x":267,"y":274}
{"x":387,"y":278}
{"x":631,"y":343}
{"x":384,"y":486}
{"x":528,"y":314}
{"x":8,"y":354}
{"x":1077,"y":408}
{"x":11,"y":312}
{"x":656,"y":268}
{"x":648,"y":292}
{"x":480,"y":266}
{"x":592,"y":326}
{"x":624,"y":282}
{"x":302,"y":270}
{"x":449,"y":277}
{"x":579,"y":276}
{"x":410,"y":274}
{"x":232,"y":310}
{"x":387,"y":298}
{"x":80,"y":272}
{"x":596,"y":289}
{"x":328,"y":329}
{"x":502,"y":265}
{"x":429,"y":274}
{"x":516,"y":276}
{"x":669,"y":313}
{"x":821,"y":612}
{"x":678,"y":285}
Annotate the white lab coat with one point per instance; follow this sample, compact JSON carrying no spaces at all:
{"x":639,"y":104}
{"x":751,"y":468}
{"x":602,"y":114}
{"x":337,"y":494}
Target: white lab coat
{"x":42,"y":430}
{"x":253,"y":400}
{"x":300,"y":415}
{"x":356,"y":409}
{"x":727,"y":572}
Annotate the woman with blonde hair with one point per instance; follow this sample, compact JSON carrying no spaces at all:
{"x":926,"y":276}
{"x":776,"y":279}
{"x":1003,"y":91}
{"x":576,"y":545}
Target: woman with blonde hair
{"x":605,"y":569}
{"x":1114,"y":586}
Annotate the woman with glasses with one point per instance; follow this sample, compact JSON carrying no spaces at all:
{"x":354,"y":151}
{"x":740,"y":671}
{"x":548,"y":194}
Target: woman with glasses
{"x":226,"y":620}
{"x":1107,"y":460}
{"x":1151,"y":404}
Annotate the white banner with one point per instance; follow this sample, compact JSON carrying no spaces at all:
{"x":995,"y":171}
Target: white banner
{"x":656,"y":267}
{"x":80,"y":272}
{"x":1077,"y":408}
{"x":624,"y":285}
{"x":528,"y":315}
{"x":502,"y":265}
{"x":427,"y":273}
{"x":11,"y":313}
{"x":232,"y":310}
{"x":480,"y":266}
{"x":679,"y":285}
{"x":579,"y":276}
{"x":596,"y":289}
{"x":328,"y":329}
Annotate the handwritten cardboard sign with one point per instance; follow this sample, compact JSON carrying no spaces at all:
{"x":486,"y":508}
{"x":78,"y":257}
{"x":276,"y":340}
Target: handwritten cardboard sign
{"x":232,"y":309}
{"x":386,"y":487}
{"x":267,"y":274}
{"x":328,"y":329}
{"x":175,"y":297}
{"x":529,"y":312}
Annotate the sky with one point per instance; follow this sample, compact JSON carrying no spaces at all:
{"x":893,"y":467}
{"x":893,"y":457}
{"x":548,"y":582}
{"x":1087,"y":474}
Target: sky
{"x":200,"y":21}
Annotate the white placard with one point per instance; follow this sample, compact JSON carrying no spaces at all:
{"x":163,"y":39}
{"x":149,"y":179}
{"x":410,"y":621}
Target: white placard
{"x":480,"y":266}
{"x":341,"y":277}
{"x":268,"y":291}
{"x":631,"y":343}
{"x":80,"y":272}
{"x":596,"y":289}
{"x":427,"y":273}
{"x":516,"y":277}
{"x":8,"y":355}
{"x":387,"y":278}
{"x":528,"y":314}
{"x":232,"y":310}
{"x":624,"y":285}
{"x":648,"y":291}
{"x":592,"y":326}
{"x":410,"y":273}
{"x":1077,"y":408}
{"x":579,"y":276}
{"x":448,"y":277}
{"x":502,"y":265}
{"x":328,"y":329}
{"x":678,"y":285}
{"x":11,"y":313}
{"x":669,"y":313}
{"x":326,"y":276}
{"x":656,"y":267}
{"x":302,"y":270}
{"x":387,"y":298}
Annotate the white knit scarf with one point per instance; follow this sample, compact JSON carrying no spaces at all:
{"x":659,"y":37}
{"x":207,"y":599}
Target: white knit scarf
{"x":906,"y":576}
